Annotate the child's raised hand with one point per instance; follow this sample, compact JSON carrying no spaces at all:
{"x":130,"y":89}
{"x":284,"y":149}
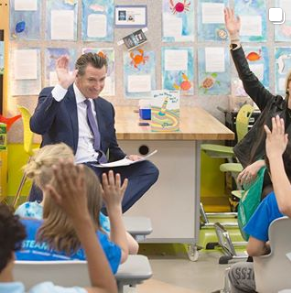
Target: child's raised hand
{"x":277,"y":139}
{"x":70,"y":191}
{"x":112,"y":190}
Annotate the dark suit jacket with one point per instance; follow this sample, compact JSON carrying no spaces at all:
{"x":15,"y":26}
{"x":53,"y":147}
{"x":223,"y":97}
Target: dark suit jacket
{"x":58,"y":122}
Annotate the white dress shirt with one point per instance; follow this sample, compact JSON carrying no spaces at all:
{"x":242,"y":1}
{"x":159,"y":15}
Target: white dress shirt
{"x":85,"y":151}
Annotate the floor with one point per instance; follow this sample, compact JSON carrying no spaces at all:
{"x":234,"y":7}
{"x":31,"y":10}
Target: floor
{"x":176,"y":274}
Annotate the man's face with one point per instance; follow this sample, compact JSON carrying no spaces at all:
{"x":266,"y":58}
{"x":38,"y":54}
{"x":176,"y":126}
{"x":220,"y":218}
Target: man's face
{"x":92,"y":82}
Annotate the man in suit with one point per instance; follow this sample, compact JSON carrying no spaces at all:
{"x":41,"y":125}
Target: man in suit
{"x":62,"y":115}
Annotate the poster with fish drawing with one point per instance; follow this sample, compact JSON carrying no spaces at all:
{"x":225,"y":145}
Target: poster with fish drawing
{"x":165,"y":111}
{"x":139,"y":73}
{"x":213,"y":71}
{"x":51,"y":56}
{"x":282,"y":68}
{"x":253,"y":18}
{"x":178,"y":21}
{"x":258,"y":59}
{"x":25,"y":20}
{"x":178,"y":69}
{"x":98,"y":20}
{"x":61,"y":20}
{"x":283,"y":31}
{"x":210,"y":18}
{"x":109,"y":54}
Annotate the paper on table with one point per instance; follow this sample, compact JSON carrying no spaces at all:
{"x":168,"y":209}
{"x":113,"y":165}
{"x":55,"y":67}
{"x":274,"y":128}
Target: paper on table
{"x":124,"y":162}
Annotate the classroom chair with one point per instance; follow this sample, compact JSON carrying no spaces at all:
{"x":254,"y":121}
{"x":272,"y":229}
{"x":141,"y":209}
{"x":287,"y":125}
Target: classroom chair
{"x":134,"y":271}
{"x":272,"y":271}
{"x":138,"y":227}
{"x":27,"y":145}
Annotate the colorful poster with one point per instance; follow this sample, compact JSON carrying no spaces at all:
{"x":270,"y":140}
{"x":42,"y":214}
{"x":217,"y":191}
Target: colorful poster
{"x":211,"y":20}
{"x":165,"y":111}
{"x":282,"y":68}
{"x":61,"y":20}
{"x":258,"y":59}
{"x":253,"y":20}
{"x":51,"y":56}
{"x":283,"y":31}
{"x":108,"y":53}
{"x":178,"y":21}
{"x":25,"y":19}
{"x":97,"y":20}
{"x":213,"y":71}
{"x":139,"y":73}
{"x":178,"y":69}
{"x":25,"y":71}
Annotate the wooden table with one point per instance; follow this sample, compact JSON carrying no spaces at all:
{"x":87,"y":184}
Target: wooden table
{"x":173,"y":203}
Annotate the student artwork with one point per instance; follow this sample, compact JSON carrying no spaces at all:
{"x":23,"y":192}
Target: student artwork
{"x":165,"y":111}
{"x":253,"y":20}
{"x":258,"y":59}
{"x":61,"y":20}
{"x":178,"y":21}
{"x":282,"y":68}
{"x":97,"y":20}
{"x":25,"y":19}
{"x":139,"y":73}
{"x":25,"y":73}
{"x":108,"y":53}
{"x":210,"y":19}
{"x":51,"y":56}
{"x":178,"y":69}
{"x":283,"y":31}
{"x":214,"y":71}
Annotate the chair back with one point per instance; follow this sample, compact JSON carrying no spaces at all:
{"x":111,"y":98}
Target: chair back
{"x":272,"y":271}
{"x":135,"y":270}
{"x":27,"y":133}
{"x":242,"y":120}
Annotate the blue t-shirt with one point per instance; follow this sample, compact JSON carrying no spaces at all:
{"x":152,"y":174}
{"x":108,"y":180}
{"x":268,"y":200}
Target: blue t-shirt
{"x":264,"y":215}
{"x":32,"y":209}
{"x":17,"y":287}
{"x":40,"y":251}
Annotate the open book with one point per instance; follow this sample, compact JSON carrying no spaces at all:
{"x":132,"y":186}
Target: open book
{"x":124,"y":162}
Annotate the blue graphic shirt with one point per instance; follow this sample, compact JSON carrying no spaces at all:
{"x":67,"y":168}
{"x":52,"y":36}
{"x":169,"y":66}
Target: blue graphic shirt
{"x":40,"y":251}
{"x":264,"y":215}
{"x":17,"y":287}
{"x":33,"y":209}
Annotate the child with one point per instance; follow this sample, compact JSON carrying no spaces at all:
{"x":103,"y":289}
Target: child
{"x":54,"y":237}
{"x":73,"y":202}
{"x":43,"y":159}
{"x":275,"y":205}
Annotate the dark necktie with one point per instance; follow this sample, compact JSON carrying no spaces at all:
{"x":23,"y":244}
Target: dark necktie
{"x":96,"y":134}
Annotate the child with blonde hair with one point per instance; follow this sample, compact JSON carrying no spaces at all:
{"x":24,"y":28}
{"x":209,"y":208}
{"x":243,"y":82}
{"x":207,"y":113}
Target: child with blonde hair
{"x":43,"y":159}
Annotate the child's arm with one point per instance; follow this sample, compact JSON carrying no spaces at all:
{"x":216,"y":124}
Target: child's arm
{"x":71,"y":196}
{"x":256,"y":247}
{"x":276,"y":143}
{"x":112,"y":192}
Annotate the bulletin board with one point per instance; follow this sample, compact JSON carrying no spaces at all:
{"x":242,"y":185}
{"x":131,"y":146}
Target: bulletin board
{"x":174,"y":28}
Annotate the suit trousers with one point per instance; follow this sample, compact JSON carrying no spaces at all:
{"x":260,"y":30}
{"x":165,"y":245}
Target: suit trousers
{"x":141,"y":176}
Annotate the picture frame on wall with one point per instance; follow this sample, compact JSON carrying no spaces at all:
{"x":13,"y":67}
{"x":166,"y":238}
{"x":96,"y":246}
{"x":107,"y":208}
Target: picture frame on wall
{"x":130,"y":16}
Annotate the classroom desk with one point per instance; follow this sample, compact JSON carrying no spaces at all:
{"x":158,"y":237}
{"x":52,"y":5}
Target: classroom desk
{"x":173,"y":203}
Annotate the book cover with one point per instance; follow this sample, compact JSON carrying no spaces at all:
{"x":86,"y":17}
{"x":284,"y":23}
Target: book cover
{"x":135,"y":39}
{"x":165,"y":111}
